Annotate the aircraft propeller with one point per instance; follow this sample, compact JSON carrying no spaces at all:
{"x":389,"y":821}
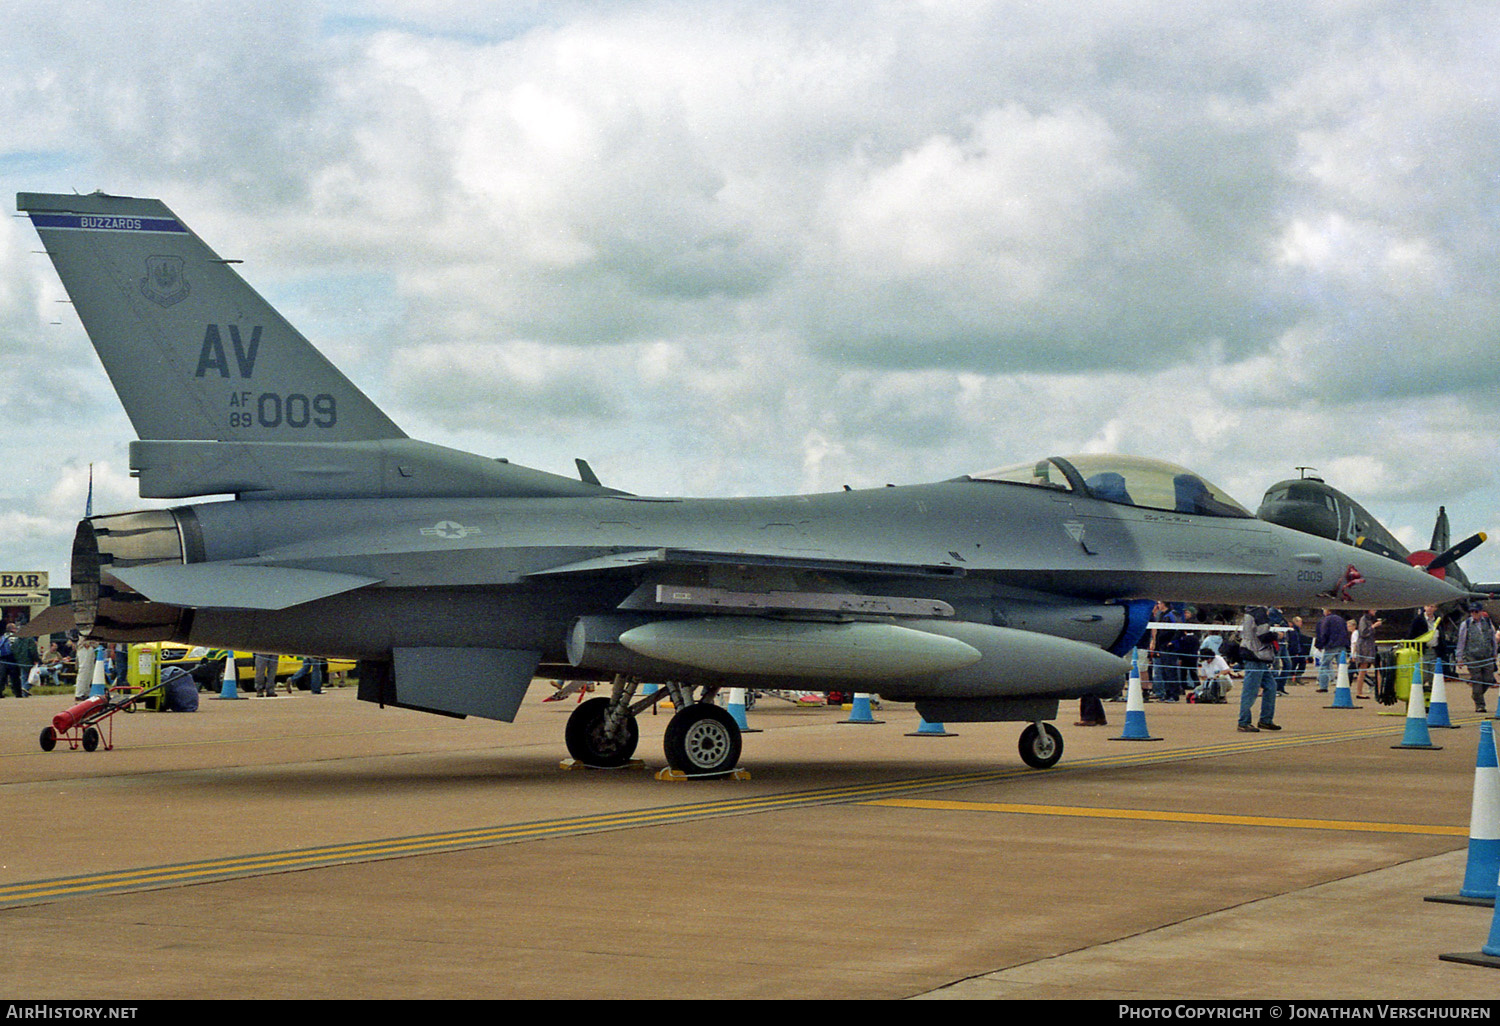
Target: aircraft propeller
{"x":1436,"y":564}
{"x":1371,"y":545}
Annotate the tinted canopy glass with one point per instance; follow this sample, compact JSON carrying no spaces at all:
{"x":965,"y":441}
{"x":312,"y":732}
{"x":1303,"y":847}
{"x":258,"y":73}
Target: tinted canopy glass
{"x":1128,"y":480}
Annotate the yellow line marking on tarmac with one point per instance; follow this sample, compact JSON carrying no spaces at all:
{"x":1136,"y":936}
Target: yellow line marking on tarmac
{"x":1161,"y":816}
{"x":878,"y":793}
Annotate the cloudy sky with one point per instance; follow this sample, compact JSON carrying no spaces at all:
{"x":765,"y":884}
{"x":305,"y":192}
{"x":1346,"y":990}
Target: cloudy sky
{"x":727,"y":248}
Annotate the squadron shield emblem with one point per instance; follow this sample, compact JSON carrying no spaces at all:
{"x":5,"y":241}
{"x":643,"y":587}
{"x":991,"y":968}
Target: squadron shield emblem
{"x":164,"y":283}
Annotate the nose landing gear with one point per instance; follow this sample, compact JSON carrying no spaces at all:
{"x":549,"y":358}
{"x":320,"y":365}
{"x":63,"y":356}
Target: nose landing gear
{"x":1041,"y":746}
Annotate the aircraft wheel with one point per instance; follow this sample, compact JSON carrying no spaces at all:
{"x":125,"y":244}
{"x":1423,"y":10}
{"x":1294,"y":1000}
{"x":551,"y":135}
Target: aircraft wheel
{"x":702,"y":739}
{"x":90,"y":739}
{"x":48,"y":739}
{"x":587,"y":741}
{"x":1040,"y":749}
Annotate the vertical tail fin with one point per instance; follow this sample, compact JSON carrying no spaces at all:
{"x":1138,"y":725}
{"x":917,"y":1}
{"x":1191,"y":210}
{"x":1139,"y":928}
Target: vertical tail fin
{"x":225,"y":394}
{"x":1440,"y":531}
{"x":192,"y":351}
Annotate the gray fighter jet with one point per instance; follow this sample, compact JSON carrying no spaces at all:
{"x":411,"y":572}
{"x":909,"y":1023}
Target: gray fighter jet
{"x":454,"y":579}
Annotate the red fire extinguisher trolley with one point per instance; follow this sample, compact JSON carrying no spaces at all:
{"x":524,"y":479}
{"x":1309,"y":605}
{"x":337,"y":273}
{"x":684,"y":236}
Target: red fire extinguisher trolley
{"x":79,"y":724}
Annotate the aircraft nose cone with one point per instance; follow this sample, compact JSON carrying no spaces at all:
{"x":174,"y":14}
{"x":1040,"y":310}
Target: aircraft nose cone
{"x":1390,"y":584}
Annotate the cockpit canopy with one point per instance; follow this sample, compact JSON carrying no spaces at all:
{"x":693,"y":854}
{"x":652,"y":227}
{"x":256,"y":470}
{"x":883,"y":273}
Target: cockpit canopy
{"x":1128,"y":480}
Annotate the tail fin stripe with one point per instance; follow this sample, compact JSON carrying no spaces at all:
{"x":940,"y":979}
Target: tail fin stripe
{"x":99,"y":222}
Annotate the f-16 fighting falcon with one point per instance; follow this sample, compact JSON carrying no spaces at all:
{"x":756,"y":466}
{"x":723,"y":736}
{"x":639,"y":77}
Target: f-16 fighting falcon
{"x":454,"y":579}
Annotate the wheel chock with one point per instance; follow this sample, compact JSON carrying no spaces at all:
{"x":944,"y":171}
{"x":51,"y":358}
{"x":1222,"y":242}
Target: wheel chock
{"x":574,"y":764}
{"x":671,"y":775}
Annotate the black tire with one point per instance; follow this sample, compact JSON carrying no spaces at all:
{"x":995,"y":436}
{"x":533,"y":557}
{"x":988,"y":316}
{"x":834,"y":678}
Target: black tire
{"x":587,"y":742}
{"x":702,"y":740}
{"x":48,"y":739}
{"x":90,"y":739}
{"x":1040,"y":749}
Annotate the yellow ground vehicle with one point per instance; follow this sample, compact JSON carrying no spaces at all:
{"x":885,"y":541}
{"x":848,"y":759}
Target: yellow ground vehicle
{"x":148,"y":658}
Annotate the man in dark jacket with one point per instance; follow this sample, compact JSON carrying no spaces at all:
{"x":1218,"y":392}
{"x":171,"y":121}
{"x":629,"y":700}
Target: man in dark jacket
{"x":1294,"y":645}
{"x":1257,"y":653}
{"x":25,"y":655}
{"x":1332,"y":643}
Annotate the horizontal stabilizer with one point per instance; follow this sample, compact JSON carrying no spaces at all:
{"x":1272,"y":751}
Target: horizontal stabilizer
{"x":235,"y":586}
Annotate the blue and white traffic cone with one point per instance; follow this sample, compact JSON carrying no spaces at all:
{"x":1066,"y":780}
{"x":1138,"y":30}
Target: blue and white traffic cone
{"x":1489,"y":955}
{"x":1437,"y":710}
{"x":99,"y":686}
{"x":930,"y":730}
{"x":1416,"y":735}
{"x":736,"y":709}
{"x":1135,"y":709}
{"x":229,"y":688}
{"x":1483,"y":871}
{"x":1342,"y":699}
{"x":860,"y":712}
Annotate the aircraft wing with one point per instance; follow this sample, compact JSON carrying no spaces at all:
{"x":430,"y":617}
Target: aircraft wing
{"x":236,"y":586}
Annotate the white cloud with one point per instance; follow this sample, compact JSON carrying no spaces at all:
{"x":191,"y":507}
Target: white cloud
{"x":734,"y":248}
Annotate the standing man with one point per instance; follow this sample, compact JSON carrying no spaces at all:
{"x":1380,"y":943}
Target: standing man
{"x":1295,"y":644}
{"x":1257,"y":653}
{"x":86,"y":654}
{"x":1331,"y":641}
{"x":312,"y":671}
{"x":1282,"y":667}
{"x":10,"y":670}
{"x":1165,"y":642}
{"x":25,"y":655}
{"x":1425,"y":624}
{"x":1476,"y":651}
{"x":265,"y":675}
{"x":1366,"y":655}
{"x":1185,"y":653}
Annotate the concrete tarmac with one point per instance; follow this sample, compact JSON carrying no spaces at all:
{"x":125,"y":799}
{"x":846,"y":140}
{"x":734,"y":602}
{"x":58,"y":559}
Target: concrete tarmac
{"x":320,"y":847}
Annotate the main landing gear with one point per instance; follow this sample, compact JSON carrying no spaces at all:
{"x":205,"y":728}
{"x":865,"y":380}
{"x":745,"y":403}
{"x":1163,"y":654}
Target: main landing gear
{"x":700,"y":740}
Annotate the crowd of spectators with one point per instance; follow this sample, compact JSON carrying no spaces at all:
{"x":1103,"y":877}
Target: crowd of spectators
{"x":1183,"y":659}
